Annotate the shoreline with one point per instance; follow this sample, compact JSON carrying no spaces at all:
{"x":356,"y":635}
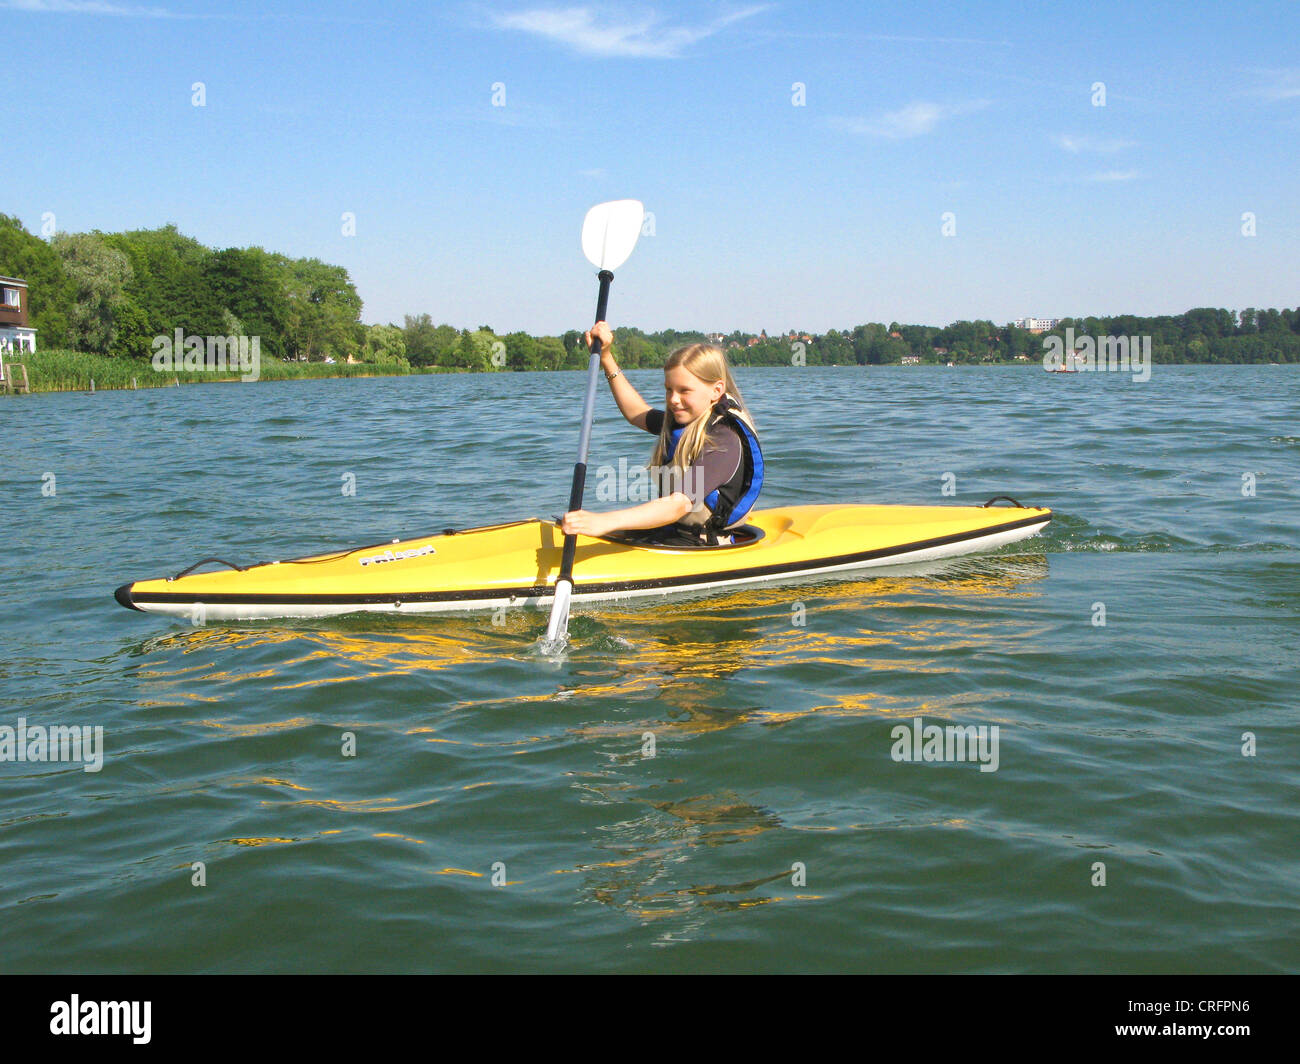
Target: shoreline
{"x":74,"y":371}
{"x":65,"y":372}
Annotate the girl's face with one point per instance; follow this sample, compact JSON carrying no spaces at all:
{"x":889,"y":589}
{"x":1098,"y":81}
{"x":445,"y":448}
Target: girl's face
{"x":687,"y":397}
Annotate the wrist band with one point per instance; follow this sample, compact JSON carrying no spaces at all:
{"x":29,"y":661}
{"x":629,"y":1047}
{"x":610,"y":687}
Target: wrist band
{"x":610,"y":376}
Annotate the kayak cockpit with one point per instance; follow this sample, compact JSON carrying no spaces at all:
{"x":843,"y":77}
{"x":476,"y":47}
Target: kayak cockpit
{"x":740,"y":536}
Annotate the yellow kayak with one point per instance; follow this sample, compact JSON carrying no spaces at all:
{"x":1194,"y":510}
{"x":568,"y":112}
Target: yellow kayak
{"x":517,"y":564}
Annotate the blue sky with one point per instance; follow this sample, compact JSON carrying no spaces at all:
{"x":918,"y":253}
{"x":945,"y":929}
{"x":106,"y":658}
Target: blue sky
{"x":766,"y":214}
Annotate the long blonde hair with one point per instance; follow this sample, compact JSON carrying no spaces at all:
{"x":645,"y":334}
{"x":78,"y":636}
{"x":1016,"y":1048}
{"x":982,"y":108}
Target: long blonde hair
{"x":709,"y":364}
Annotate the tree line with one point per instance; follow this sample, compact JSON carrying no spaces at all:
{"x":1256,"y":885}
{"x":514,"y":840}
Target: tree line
{"x":113,"y":293}
{"x":1206,"y":335}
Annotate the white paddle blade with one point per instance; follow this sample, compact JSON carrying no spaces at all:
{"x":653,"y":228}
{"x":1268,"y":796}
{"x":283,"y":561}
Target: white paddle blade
{"x":557,"y":630}
{"x":610,"y":231}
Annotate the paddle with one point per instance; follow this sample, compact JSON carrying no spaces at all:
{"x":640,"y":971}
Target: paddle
{"x":609,"y":233}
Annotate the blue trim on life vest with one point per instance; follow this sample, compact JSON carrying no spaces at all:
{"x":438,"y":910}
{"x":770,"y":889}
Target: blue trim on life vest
{"x":673,"y":437}
{"x":747,"y":500}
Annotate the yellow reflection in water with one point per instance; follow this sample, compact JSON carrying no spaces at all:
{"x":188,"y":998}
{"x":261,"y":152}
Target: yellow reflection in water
{"x":397,"y":835}
{"x":265,"y":840}
{"x":267,"y":781}
{"x":264,"y":727}
{"x":359,"y":805}
{"x":698,"y":638}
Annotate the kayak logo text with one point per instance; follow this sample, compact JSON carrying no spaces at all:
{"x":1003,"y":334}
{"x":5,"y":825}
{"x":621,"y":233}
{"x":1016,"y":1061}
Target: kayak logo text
{"x":102,"y":1017}
{"x":215,"y":354}
{"x":397,"y":556}
{"x":930,"y":742}
{"x":1114,"y":354}
{"x":58,"y":742}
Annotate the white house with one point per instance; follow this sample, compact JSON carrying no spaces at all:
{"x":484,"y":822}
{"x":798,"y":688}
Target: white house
{"x":16,"y":333}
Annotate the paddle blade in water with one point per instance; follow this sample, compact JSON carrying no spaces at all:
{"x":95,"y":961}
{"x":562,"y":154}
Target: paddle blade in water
{"x":610,"y":231}
{"x":557,"y":630}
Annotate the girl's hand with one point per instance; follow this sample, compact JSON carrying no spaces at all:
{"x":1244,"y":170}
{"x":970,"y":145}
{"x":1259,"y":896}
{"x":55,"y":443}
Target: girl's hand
{"x":583,"y":522}
{"x":600,"y":331}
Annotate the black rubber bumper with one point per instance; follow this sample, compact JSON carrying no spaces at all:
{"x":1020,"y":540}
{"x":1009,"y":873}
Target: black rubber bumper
{"x":123,"y":596}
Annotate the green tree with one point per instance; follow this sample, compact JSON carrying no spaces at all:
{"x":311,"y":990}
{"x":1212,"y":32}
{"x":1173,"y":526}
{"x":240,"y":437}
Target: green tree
{"x":99,"y":274}
{"x":891,"y":351}
{"x":832,"y":349}
{"x":633,"y":350}
{"x":551,"y":352}
{"x":474,"y":352}
{"x":132,"y":336}
{"x":428,"y":344}
{"x":573,"y":343}
{"x":522,"y":352}
{"x":322,"y":308}
{"x":418,"y":334}
{"x":49,"y":288}
{"x":385,"y":345}
{"x":249,"y":283}
{"x":167,"y":281}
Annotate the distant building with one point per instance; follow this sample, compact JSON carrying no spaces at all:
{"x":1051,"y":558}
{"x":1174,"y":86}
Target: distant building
{"x":911,"y":360}
{"x":16,"y":333}
{"x":1037,"y":325}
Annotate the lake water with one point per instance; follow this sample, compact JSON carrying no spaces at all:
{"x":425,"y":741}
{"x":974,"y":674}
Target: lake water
{"x":501,"y":812}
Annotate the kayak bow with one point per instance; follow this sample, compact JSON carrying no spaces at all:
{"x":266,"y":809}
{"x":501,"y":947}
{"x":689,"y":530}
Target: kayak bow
{"x":518,"y":564}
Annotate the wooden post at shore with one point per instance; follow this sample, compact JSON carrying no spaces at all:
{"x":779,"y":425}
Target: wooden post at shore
{"x":10,"y":383}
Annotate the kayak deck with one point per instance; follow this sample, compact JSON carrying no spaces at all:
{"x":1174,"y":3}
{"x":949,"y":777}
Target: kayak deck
{"x":516,"y":564}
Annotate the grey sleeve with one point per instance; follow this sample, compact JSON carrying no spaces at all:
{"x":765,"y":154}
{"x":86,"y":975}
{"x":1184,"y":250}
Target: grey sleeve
{"x":716,"y":465}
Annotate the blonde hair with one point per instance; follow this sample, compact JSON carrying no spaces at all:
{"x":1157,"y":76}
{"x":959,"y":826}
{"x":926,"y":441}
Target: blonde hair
{"x":709,"y":364}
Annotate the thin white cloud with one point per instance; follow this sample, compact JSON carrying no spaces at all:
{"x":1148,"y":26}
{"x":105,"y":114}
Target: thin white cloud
{"x":1113,"y":175}
{"x":880,"y":38}
{"x":87,"y":7}
{"x":605,"y":34}
{"x":1274,"y":85}
{"x":102,"y":7}
{"x":521,"y":114}
{"x":1075,"y":144}
{"x":915,"y":120}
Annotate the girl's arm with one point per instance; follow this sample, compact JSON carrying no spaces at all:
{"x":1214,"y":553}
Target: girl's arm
{"x":629,"y":400}
{"x":653,"y":514}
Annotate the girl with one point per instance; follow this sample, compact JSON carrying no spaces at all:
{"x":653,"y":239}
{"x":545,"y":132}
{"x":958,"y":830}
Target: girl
{"x":707,"y":457}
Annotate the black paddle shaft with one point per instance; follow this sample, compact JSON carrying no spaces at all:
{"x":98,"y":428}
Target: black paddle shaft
{"x":588,"y":408}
